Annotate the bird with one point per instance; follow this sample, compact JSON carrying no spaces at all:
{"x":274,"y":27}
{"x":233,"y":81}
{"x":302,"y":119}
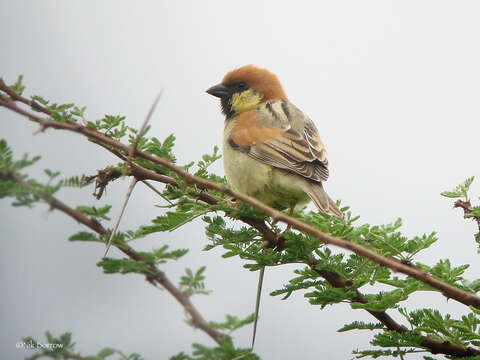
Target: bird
{"x":271,"y":150}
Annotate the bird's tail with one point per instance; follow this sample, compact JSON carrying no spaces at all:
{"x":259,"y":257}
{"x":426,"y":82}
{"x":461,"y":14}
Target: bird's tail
{"x":322,"y":200}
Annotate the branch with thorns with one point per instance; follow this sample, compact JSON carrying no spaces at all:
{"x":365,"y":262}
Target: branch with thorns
{"x":336,"y":280}
{"x":465,"y":205}
{"x":155,"y":276}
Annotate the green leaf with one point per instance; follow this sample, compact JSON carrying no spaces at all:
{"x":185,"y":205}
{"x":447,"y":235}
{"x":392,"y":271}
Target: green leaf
{"x":124,"y":266}
{"x":18,"y":86}
{"x":161,"y":255}
{"x":85,"y":236}
{"x":461,"y":190}
{"x":95,"y":212}
{"x":105,"y":352}
{"x":40,"y":99}
{"x":327,"y":295}
{"x":400,"y":353}
{"x":76,"y":181}
{"x":186,"y":211}
{"x":395,"y":339}
{"x":192,"y":284}
{"x":468,"y":182}
{"x":206,"y":161}
{"x":451,"y":194}
{"x":360,"y":325}
{"x":161,"y":149}
{"x":232,"y":323}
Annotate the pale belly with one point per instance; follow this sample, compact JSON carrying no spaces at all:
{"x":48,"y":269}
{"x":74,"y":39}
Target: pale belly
{"x":274,"y":187}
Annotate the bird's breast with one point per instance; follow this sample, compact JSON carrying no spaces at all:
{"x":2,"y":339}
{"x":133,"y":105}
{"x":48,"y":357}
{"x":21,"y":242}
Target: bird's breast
{"x":273,"y":186}
{"x":244,"y":174}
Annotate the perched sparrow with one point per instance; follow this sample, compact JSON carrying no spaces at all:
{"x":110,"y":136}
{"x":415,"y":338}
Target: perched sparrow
{"x":271,"y":149}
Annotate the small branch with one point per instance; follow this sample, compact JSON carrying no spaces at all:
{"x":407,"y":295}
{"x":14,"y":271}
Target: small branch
{"x":155,"y":277}
{"x":434,"y":346}
{"x":16,"y":97}
{"x":102,"y":179}
{"x":465,"y":205}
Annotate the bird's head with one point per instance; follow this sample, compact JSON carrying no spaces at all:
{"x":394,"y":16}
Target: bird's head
{"x":245,"y":88}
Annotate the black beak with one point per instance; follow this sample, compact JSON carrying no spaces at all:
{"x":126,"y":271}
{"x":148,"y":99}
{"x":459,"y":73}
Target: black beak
{"x":219,"y":91}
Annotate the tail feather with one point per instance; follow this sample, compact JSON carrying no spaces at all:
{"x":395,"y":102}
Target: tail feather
{"x":321,"y":199}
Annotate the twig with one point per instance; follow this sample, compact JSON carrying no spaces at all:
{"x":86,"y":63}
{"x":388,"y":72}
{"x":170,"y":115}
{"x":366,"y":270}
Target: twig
{"x":465,"y":205}
{"x":17,"y":97}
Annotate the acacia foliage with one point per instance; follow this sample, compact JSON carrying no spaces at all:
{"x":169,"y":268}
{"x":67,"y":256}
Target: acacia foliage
{"x":225,"y":228}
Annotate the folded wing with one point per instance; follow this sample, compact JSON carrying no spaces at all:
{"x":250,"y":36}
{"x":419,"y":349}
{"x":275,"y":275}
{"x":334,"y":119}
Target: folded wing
{"x":279,"y":134}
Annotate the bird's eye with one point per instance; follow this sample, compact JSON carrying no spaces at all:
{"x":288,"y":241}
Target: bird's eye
{"x":242,"y":86}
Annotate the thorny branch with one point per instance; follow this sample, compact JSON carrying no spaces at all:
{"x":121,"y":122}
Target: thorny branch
{"x":155,"y":276}
{"x":465,"y":205}
{"x":334,"y":279}
{"x":447,"y":289}
{"x":125,"y":171}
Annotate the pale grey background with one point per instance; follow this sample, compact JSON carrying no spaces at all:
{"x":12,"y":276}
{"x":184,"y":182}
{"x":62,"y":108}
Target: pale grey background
{"x":392,"y":86}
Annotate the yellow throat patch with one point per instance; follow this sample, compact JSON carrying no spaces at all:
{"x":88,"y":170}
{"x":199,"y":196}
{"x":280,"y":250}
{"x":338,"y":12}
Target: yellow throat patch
{"x":246,"y":100}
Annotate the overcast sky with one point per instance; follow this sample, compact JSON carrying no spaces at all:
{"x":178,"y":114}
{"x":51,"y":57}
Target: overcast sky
{"x":393,"y":87}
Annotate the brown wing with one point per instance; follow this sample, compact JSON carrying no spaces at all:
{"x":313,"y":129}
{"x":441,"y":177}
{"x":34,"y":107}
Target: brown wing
{"x":279,"y":134}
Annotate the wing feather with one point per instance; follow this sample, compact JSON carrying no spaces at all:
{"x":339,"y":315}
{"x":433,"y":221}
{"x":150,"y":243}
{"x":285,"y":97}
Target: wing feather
{"x":279,"y":134}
